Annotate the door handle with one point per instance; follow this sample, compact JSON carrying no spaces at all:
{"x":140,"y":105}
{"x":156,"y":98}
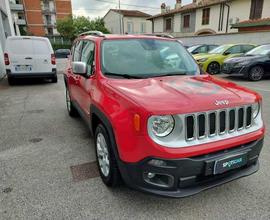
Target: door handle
{"x":28,"y":58}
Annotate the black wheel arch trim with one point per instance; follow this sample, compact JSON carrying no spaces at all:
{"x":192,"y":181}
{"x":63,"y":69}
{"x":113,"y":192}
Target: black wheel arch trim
{"x":106,"y":122}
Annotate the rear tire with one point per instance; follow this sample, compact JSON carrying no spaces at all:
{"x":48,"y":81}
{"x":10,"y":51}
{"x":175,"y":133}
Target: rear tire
{"x":11,"y":81}
{"x":72,"y":111}
{"x":256,"y":73}
{"x":106,"y":160}
{"x":54,"y":79}
{"x":213,"y":68}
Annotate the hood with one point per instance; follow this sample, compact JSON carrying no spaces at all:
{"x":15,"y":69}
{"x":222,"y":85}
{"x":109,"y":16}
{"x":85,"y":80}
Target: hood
{"x":243,"y":59}
{"x":205,"y":55}
{"x":182,"y":94}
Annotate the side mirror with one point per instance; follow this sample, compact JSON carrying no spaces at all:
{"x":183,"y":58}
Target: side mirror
{"x":79,"y":68}
{"x":226,"y":53}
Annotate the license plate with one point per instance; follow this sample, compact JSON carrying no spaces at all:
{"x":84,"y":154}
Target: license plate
{"x":23,"y":68}
{"x":229,"y":163}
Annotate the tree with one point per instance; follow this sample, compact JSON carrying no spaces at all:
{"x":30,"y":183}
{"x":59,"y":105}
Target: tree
{"x":70,"y":27}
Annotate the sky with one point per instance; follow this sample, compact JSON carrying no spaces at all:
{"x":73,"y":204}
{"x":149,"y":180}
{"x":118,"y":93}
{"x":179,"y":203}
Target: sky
{"x":98,"y":8}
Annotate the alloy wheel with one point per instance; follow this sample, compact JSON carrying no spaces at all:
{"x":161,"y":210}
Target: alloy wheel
{"x":103,"y":155}
{"x":256,"y":73}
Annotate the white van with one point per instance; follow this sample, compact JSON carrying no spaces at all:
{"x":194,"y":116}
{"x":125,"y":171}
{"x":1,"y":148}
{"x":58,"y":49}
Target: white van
{"x":28,"y":57}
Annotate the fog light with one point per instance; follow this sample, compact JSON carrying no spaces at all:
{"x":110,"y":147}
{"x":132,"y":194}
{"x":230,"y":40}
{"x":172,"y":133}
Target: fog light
{"x":150,"y":175}
{"x":158,"y":179}
{"x":157,"y":163}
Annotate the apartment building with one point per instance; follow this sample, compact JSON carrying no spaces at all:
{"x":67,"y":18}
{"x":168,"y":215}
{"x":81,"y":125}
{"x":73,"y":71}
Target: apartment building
{"x":203,"y":17}
{"x":38,"y":17}
{"x":127,"y":22}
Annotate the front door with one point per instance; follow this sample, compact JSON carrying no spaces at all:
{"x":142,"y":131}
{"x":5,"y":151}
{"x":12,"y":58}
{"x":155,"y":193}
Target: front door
{"x":85,"y":83}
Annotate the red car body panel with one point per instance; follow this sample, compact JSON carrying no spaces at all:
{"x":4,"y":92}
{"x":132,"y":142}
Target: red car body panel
{"x":120,"y":99}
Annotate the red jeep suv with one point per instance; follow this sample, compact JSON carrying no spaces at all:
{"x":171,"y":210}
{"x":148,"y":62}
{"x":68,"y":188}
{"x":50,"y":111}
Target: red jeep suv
{"x":159,"y":123}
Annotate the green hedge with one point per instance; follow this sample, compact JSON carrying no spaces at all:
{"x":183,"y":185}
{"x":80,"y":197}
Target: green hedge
{"x":61,"y":46}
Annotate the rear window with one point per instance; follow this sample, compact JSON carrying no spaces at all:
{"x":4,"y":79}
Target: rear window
{"x":28,"y":46}
{"x":41,"y":47}
{"x":20,"y":46}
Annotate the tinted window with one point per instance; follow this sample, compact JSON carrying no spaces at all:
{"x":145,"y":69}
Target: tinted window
{"x":88,"y":55}
{"x":202,"y":49}
{"x":234,"y":49}
{"x":211,"y":47}
{"x":77,"y":51}
{"x":246,"y":48}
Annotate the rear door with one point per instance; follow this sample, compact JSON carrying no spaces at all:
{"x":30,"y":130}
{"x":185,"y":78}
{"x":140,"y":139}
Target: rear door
{"x":21,"y":54}
{"x":42,"y":55}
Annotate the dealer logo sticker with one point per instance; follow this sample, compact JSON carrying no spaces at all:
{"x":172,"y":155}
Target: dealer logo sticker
{"x":232,"y":162}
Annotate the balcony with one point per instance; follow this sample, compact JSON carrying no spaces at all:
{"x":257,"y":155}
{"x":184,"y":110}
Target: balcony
{"x":47,"y":10}
{"x":21,"y":21}
{"x":16,"y":7}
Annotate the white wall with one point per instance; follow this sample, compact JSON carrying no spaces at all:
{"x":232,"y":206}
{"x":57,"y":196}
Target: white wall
{"x":177,"y":23}
{"x":137,"y":21}
{"x":2,"y":65}
{"x":253,"y":38}
{"x":158,"y":25}
{"x":112,"y":22}
{"x":266,"y":9}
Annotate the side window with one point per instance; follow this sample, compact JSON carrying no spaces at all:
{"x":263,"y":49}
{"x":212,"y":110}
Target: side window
{"x":202,"y":49}
{"x":211,"y":47}
{"x":77,"y":51}
{"x":246,"y":48}
{"x":234,"y":50}
{"x":88,"y":54}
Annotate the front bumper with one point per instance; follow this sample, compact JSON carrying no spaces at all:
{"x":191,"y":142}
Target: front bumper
{"x":190,"y":175}
{"x":231,"y":70}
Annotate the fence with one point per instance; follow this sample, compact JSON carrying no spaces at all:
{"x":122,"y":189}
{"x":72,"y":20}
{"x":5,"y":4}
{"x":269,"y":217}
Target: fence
{"x":59,"y":42}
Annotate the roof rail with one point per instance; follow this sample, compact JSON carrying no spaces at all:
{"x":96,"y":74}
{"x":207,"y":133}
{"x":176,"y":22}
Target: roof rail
{"x":93,"y":33}
{"x":161,"y":35}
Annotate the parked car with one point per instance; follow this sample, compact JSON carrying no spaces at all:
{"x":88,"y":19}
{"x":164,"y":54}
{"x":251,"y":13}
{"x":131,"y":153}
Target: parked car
{"x":201,"y":48}
{"x":212,"y":61}
{"x":62,"y":53}
{"x":254,"y":65}
{"x":29,"y":57}
{"x":157,"y":122}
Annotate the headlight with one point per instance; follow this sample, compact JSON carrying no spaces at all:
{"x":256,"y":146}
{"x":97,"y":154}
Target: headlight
{"x":161,"y":126}
{"x":242,"y":64}
{"x":255,"y":109}
{"x":202,"y":60}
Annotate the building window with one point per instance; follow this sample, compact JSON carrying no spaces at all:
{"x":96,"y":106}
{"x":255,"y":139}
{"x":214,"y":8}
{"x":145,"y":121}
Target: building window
{"x":256,"y":9}
{"x":186,"y":21}
{"x":50,"y":31}
{"x":205,"y":16}
{"x":168,"y":25}
{"x":143,"y":27}
{"x":129,"y":27}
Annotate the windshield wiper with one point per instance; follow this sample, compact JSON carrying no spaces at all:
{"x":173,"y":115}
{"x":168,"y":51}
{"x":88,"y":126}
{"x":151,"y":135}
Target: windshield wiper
{"x":170,"y":74}
{"x":127,"y":76}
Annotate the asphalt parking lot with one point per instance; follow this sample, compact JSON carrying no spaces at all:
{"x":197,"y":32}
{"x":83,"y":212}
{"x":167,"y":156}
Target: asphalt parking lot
{"x":47,"y":168}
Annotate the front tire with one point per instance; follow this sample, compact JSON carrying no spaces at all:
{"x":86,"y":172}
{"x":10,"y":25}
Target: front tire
{"x":106,"y":160}
{"x":256,"y":73}
{"x":213,"y":68}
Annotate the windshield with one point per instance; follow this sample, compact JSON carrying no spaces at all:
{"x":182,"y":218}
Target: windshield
{"x":261,"y":50}
{"x":192,"y":48}
{"x":146,"y":58}
{"x":220,"y":49}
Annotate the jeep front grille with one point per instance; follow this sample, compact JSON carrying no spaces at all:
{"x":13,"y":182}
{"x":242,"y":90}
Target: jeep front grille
{"x":220,"y":122}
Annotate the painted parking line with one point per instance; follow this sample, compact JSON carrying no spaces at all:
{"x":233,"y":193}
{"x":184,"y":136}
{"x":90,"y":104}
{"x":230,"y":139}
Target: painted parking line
{"x":84,"y":171}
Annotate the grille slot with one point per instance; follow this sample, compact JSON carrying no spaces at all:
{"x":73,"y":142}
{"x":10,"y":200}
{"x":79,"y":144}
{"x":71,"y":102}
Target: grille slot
{"x":212,"y":123}
{"x":225,"y":121}
{"x":231,"y":120}
{"x":222,"y":122}
{"x":190,"y":125}
{"x":240,"y":118}
{"x":248,"y":116}
{"x":201,"y":125}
